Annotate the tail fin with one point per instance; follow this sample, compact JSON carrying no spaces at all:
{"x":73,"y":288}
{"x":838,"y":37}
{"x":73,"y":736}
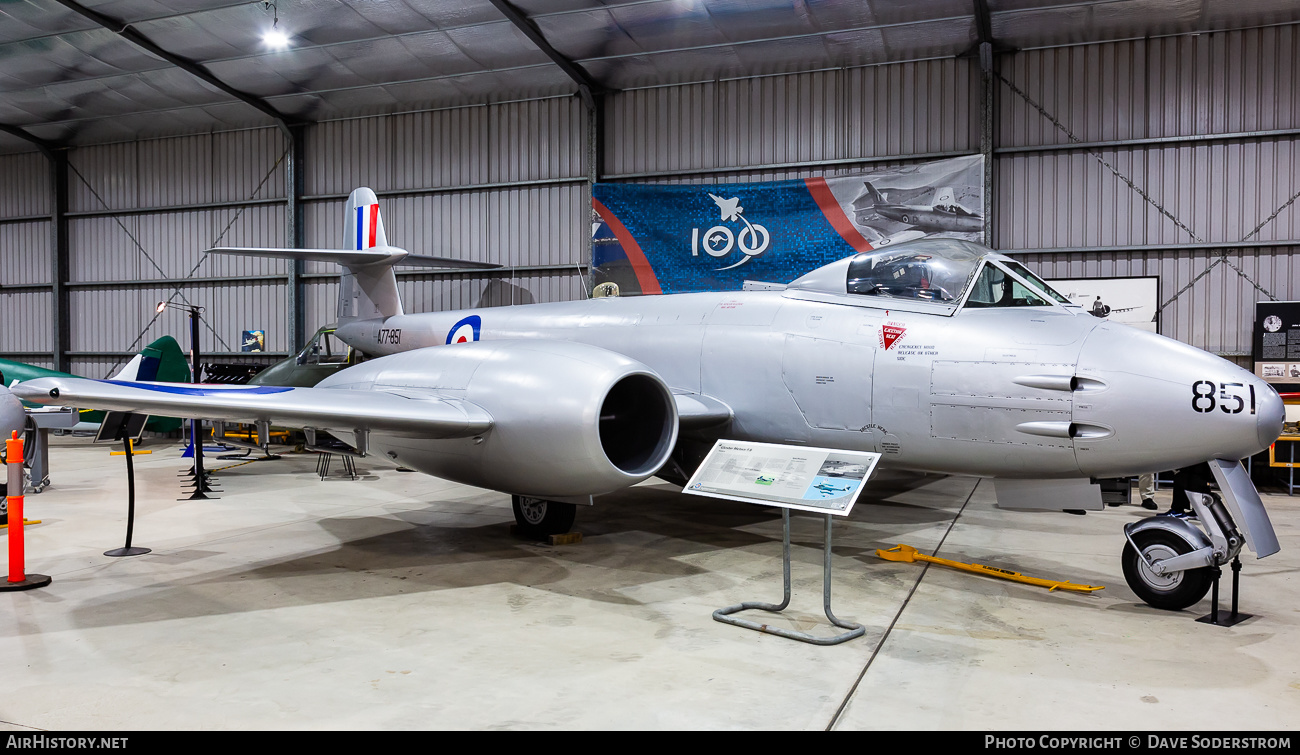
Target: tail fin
{"x":363,"y":228}
{"x":161,"y":361}
{"x":368,"y":289}
{"x":876,"y":196}
{"x":944,"y":197}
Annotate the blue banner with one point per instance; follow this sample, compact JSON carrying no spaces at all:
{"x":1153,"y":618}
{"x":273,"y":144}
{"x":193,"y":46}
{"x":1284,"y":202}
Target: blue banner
{"x":653,"y":238}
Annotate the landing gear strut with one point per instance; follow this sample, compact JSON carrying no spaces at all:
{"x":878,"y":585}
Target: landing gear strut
{"x":1171,"y":563}
{"x":540,"y":518}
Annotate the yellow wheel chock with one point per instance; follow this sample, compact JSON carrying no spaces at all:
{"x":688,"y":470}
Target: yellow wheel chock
{"x":909,"y":554}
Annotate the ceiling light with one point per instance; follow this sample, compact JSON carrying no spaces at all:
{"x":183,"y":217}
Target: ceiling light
{"x":275,"y":39}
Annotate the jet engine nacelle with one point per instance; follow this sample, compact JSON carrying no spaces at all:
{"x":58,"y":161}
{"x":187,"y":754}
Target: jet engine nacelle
{"x":569,"y":419}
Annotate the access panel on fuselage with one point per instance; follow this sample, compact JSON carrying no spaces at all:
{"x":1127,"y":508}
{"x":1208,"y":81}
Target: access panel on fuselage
{"x":830,"y":381}
{"x":989,"y":403}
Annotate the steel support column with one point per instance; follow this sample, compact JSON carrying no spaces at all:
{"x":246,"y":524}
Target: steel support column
{"x":296,"y":234}
{"x":984,"y":51}
{"x":591,"y":92}
{"x":58,"y":162}
{"x":987,"y":111}
{"x":595,"y":170}
{"x":59,"y":321}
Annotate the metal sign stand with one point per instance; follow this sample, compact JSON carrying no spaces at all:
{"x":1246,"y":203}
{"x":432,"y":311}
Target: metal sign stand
{"x":855,"y":630}
{"x":127,"y":550}
{"x":126,"y":427}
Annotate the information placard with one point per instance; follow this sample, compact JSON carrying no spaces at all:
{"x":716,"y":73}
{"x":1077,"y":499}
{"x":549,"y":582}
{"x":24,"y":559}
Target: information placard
{"x":1277,"y":344}
{"x":823,"y":480}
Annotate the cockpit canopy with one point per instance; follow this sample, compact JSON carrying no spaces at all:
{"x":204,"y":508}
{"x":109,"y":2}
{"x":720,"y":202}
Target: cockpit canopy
{"x":930,"y":270}
{"x":928,"y":274}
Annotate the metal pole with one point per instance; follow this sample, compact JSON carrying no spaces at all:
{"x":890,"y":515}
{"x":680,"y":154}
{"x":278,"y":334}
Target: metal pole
{"x":987,"y":90}
{"x":594,"y":160}
{"x":201,"y":487}
{"x":130,"y":490}
{"x":1214,"y":596}
{"x":857,"y":630}
{"x":127,"y":550}
{"x":59,"y":250}
{"x":195,"y":422}
{"x":296,"y":187}
{"x":1236,"y":577}
{"x":725,"y":614}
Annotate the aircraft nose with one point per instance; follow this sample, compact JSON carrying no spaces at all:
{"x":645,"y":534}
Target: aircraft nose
{"x":1272,"y":413}
{"x":1149,"y":403}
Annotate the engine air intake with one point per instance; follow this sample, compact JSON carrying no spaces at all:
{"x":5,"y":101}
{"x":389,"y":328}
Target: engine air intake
{"x":636,"y":424}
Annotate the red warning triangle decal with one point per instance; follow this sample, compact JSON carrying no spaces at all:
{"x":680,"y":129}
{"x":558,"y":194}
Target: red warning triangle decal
{"x":889,"y":334}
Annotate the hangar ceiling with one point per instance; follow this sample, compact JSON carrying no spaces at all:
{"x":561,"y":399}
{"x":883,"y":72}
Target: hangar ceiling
{"x":107,"y":70}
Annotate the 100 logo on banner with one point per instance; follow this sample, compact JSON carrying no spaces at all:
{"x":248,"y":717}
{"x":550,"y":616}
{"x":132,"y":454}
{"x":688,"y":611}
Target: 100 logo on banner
{"x":718,"y":241}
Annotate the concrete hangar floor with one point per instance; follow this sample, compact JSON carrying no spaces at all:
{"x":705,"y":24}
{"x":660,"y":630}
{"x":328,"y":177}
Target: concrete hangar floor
{"x":402,"y":601}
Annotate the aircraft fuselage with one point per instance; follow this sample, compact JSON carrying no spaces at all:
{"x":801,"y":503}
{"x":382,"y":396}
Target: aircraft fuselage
{"x":1028,"y":392}
{"x":931,"y":219}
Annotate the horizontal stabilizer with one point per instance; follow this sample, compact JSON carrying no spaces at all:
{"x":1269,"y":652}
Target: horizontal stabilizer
{"x":418,"y":415}
{"x":425,"y":260}
{"x":379,"y":255}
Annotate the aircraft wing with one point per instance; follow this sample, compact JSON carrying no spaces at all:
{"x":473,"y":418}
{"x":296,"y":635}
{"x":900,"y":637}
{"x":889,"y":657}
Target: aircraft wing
{"x":412,"y":413}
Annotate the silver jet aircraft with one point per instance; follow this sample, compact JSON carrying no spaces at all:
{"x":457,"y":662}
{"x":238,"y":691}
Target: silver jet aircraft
{"x":940,"y":354}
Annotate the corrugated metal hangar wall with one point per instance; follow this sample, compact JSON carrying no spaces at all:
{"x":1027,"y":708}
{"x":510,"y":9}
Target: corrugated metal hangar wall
{"x":1167,"y":156}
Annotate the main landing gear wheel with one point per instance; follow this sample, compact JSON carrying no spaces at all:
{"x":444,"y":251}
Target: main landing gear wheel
{"x":1174,"y":591}
{"x":540,"y":518}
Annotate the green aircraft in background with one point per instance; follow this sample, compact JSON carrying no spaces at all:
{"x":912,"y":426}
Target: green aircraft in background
{"x":161,"y":361}
{"x":323,"y":356}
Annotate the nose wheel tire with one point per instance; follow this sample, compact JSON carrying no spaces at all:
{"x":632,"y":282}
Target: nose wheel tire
{"x":540,"y":518}
{"x":1174,"y":591}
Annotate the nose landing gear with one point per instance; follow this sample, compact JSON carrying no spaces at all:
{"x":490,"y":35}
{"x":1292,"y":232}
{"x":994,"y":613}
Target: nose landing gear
{"x":1170,"y":563}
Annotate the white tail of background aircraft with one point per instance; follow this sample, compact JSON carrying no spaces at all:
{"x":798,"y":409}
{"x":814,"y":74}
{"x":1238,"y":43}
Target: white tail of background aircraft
{"x":368,"y":288}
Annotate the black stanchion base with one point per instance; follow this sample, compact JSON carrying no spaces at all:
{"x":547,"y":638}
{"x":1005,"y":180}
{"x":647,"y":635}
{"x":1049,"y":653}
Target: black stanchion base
{"x":199,"y":495}
{"x":1224,"y":620}
{"x":32,"y":582}
{"x":132,"y":551}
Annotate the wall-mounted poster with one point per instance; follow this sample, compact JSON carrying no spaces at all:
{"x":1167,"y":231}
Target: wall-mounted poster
{"x":662,"y":238}
{"x":1277,"y":344}
{"x":253,"y":340}
{"x":1131,"y":301}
